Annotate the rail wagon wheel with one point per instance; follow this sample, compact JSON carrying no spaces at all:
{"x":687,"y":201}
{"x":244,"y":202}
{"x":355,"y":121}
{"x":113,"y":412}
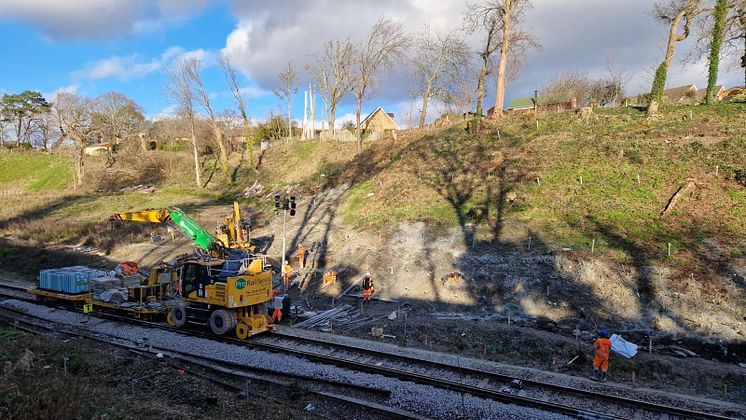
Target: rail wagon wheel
{"x":221,"y":321}
{"x":170,"y":320}
{"x":242,"y":330}
{"x":178,"y":316}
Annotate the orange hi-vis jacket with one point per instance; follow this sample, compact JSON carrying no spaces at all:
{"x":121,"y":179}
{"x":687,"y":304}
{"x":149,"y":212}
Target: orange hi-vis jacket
{"x":603,"y":347}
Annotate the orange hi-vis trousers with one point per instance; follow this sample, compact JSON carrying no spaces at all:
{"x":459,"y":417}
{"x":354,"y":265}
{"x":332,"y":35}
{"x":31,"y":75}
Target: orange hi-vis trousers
{"x":276,"y":316}
{"x":367,"y":293}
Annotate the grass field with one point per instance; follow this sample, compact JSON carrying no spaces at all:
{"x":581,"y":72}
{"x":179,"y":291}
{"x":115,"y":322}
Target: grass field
{"x":35,"y":171}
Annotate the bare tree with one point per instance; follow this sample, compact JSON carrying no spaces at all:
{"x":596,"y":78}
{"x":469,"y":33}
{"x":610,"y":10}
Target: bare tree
{"x":385,"y":45}
{"x":671,"y":12}
{"x":74,"y":118}
{"x":285,"y":91}
{"x":563,"y":87}
{"x":609,"y":88}
{"x":333,"y":73}
{"x":201,"y":97}
{"x":179,"y":88}
{"x":118,"y":116}
{"x":438,"y":67}
{"x":240,"y":98}
{"x":501,"y":20}
{"x":45,"y":128}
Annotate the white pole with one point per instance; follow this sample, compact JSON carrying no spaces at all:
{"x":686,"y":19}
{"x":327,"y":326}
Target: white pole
{"x":313,"y":111}
{"x":305,"y":112}
{"x":284,"y":213}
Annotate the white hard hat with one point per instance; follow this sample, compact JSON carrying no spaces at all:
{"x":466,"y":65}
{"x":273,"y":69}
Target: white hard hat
{"x":367,"y":273}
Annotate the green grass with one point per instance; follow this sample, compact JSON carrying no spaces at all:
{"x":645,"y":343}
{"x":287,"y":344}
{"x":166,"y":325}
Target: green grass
{"x":35,"y":171}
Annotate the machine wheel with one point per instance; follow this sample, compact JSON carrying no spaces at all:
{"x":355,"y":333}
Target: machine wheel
{"x":170,"y":320}
{"x":222,"y":321}
{"x":242,"y":330}
{"x":178,"y":316}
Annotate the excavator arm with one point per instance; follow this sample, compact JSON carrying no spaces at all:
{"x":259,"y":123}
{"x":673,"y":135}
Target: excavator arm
{"x":200,"y":236}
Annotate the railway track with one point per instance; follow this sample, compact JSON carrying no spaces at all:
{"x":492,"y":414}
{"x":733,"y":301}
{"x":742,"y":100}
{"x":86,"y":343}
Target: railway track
{"x":566,"y":400}
{"x":359,"y":396}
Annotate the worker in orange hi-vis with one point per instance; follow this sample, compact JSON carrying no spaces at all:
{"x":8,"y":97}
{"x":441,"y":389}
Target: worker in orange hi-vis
{"x":601,"y":361}
{"x":302,"y":256}
{"x":288,"y":274}
{"x":330,"y":277}
{"x":367,"y":287}
{"x":277,"y":305}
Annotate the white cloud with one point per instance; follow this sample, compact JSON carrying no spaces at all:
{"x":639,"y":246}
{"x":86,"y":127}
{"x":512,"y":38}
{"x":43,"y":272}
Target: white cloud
{"x":577,"y":35}
{"x":124,"y":68}
{"x":255,"y":91}
{"x":50,"y":96}
{"x":135,"y":66}
{"x":165,"y":113}
{"x":97,"y":19}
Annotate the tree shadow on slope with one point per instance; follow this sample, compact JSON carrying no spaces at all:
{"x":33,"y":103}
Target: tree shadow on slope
{"x":320,"y":211}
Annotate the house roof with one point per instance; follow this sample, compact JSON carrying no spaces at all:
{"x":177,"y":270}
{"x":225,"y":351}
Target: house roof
{"x":379,"y":109}
{"x":546,"y":99}
{"x":679,"y":93}
{"x":527,"y":102}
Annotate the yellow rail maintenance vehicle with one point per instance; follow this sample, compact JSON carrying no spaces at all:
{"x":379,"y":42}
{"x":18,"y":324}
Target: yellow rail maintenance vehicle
{"x":223,"y":285}
{"x":226,"y":294}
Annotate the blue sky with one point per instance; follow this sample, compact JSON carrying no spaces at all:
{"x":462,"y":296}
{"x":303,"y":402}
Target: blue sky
{"x":94,"y":46}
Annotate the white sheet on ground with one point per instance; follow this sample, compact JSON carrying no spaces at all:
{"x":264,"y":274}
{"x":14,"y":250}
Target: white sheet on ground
{"x":623,"y":347}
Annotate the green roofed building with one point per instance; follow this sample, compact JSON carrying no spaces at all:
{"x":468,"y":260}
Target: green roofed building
{"x":554,"y":102}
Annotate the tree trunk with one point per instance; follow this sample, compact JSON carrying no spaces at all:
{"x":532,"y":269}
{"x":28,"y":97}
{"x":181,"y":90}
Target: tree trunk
{"x":332,"y":111}
{"x":197,"y":169}
{"x":742,"y":19}
{"x":659,"y":82}
{"x":221,"y":145}
{"x":18,"y":131}
{"x":719,"y":14}
{"x":358,"y":110}
{"x":504,"y":50}
{"x":423,"y":111}
{"x":480,"y":86}
{"x":290,"y":119}
{"x":80,"y":167}
{"x":247,"y":140}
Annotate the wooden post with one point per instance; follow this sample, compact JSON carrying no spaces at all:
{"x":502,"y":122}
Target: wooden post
{"x":426,"y":346}
{"x":537,"y":124}
{"x":508,"y":317}
{"x":537,"y":181}
{"x":638,"y":179}
{"x":593,"y":245}
{"x":717,"y":169}
{"x":484,"y":351}
{"x":650,"y":344}
{"x":581,"y":181}
{"x":669,"y":249}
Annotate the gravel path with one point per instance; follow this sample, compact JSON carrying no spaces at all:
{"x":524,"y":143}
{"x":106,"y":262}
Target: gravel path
{"x":420,"y":399}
